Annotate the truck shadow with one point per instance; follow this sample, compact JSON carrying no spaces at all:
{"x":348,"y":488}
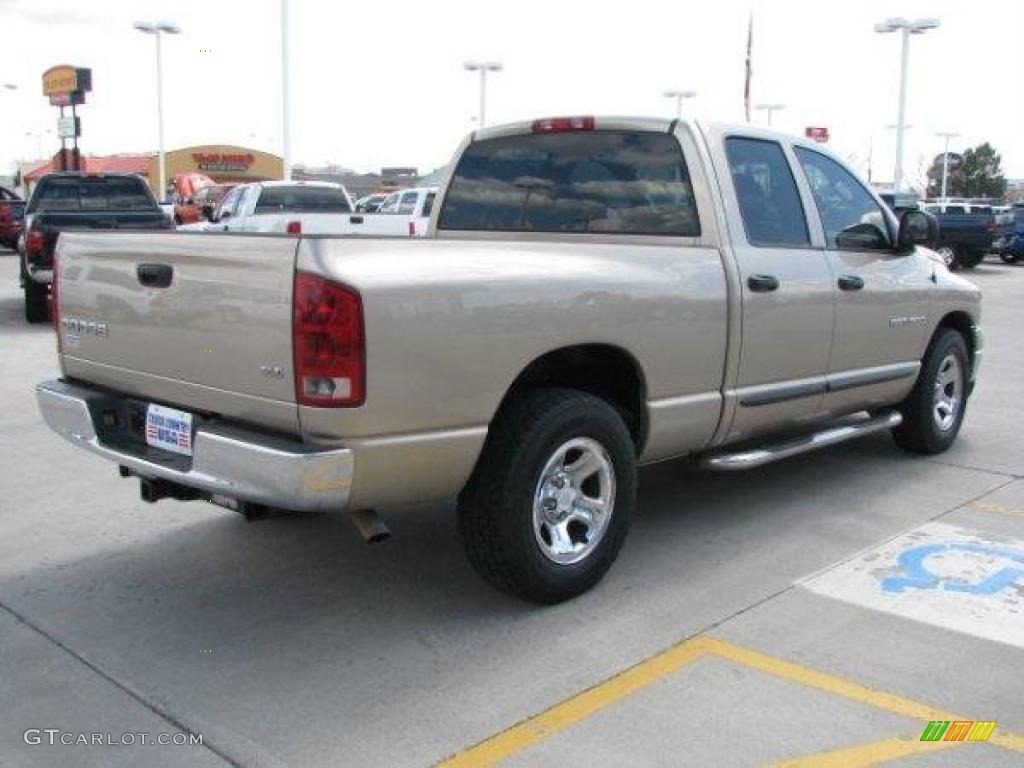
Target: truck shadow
{"x":298,"y":608}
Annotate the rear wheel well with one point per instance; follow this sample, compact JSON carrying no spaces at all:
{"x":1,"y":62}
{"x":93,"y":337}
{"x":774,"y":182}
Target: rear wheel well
{"x":603,"y":370}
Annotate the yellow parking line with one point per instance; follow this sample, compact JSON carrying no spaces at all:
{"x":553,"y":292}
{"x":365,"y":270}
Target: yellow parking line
{"x":579,"y":707}
{"x":988,"y":506}
{"x":864,"y":755}
{"x":811,"y":678}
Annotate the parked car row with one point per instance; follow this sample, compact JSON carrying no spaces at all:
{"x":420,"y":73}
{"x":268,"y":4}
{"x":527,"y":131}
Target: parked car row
{"x":968,"y":229}
{"x":317,"y":208}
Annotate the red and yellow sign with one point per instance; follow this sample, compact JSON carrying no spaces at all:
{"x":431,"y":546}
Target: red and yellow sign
{"x":223,"y":161}
{"x":65,"y":79}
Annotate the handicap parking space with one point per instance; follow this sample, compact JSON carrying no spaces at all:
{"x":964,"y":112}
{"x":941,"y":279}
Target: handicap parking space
{"x":290,"y":642}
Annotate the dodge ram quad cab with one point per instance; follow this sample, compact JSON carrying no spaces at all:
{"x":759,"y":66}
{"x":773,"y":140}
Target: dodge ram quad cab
{"x":592,"y":294}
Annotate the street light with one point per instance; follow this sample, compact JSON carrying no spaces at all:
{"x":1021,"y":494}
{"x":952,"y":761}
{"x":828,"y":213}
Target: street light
{"x":158,"y":29}
{"x":769,"y":108}
{"x":907,"y":28}
{"x":679,"y":96}
{"x":286,"y":109}
{"x":483,"y":67}
{"x":947,"y":135}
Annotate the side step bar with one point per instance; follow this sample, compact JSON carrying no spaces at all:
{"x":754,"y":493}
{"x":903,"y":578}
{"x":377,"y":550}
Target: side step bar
{"x":730,"y":461}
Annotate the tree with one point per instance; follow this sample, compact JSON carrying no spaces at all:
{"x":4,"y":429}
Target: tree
{"x":976,"y":173}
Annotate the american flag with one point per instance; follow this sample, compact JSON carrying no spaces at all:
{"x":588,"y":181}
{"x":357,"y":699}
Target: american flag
{"x":746,"y":84}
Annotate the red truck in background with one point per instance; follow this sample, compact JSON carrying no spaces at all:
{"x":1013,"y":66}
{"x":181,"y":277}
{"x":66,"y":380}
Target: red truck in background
{"x":186,"y":186}
{"x":12,"y":218}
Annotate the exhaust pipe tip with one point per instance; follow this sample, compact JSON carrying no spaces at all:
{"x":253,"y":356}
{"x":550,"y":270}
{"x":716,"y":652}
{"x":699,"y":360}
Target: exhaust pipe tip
{"x":370,"y":526}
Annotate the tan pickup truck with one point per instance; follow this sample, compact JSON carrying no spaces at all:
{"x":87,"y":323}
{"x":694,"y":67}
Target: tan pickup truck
{"x":592,"y":294}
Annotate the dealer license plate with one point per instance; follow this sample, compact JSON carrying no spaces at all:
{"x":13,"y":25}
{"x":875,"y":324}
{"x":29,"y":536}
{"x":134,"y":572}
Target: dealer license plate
{"x":169,"y":429}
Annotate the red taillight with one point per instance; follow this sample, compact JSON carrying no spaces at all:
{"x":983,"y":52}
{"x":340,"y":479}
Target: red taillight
{"x":294,"y":228}
{"x":34,"y":242}
{"x":328,"y":343}
{"x":563,"y":124}
{"x":412,"y":228}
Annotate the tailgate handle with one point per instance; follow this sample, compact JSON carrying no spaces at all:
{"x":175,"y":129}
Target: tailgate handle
{"x":155,"y":275}
{"x":356,"y":219}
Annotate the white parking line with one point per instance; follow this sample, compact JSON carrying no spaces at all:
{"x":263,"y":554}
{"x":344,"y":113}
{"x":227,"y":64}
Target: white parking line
{"x":939,"y":574}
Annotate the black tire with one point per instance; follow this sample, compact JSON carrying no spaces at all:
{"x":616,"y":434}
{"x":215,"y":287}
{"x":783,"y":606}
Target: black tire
{"x":970,"y":259}
{"x":496,"y":508}
{"x":36,"y":309}
{"x":921,"y":431}
{"x":1009,"y":258}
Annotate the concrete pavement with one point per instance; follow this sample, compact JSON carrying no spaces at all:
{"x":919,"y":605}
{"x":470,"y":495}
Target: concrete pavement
{"x":291,"y":642}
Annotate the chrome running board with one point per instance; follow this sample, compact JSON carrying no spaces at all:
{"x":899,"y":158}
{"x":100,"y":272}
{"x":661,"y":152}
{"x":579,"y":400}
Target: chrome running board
{"x":729,"y":461}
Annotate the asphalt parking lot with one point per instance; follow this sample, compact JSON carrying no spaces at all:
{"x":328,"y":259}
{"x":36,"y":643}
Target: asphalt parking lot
{"x":777,"y":616}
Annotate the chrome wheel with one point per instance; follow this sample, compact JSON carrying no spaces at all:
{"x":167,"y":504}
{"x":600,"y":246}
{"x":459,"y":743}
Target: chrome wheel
{"x":949,"y":388}
{"x":947,"y":254}
{"x":574,"y":501}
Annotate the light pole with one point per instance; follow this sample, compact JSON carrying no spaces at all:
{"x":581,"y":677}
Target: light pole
{"x":679,"y":96}
{"x":158,"y":29}
{"x":947,"y":135}
{"x":769,"y":108}
{"x":483,"y":67}
{"x":906,"y":28}
{"x":286,"y":108}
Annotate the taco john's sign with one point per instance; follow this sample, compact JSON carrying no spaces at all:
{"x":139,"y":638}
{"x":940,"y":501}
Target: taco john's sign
{"x":65,"y":84}
{"x":223,"y":161}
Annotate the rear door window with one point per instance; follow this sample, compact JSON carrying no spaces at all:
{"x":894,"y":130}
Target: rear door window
{"x":613,"y":182}
{"x":766,"y":193}
{"x":408,"y":203}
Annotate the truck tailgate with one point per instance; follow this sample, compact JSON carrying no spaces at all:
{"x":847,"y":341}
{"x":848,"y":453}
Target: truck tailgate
{"x":216,"y":338}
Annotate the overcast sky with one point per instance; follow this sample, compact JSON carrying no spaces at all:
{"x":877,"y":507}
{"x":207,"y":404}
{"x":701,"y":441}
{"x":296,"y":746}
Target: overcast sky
{"x":378,"y":83}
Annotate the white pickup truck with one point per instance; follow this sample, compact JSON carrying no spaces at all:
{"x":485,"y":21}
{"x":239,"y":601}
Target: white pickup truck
{"x":317,"y":208}
{"x":591,"y":294}
{"x":283,"y":207}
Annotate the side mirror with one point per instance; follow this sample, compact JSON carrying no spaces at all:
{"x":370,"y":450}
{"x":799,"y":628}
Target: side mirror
{"x":224,"y":215}
{"x":917,"y":228}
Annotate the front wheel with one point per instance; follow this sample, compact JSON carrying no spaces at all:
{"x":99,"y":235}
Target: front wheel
{"x":934,"y":409}
{"x":970,"y":259}
{"x":551,"y":499}
{"x":1009,"y":258}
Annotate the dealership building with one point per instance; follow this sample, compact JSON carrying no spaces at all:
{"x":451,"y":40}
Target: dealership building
{"x":224,"y":163}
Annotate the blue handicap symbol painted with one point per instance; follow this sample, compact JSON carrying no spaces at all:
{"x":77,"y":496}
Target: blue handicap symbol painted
{"x":916,"y":574}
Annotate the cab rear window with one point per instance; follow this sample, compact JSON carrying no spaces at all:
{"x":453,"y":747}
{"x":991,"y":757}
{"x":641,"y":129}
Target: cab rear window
{"x":613,"y":182}
{"x":302,"y":200}
{"x":90,"y":193}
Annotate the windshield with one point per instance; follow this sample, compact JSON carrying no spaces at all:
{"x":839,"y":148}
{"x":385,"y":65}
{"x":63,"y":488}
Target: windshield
{"x":90,"y":193}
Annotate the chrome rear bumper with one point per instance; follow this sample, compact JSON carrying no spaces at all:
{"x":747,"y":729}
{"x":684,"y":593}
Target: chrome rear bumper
{"x":226,"y":461}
